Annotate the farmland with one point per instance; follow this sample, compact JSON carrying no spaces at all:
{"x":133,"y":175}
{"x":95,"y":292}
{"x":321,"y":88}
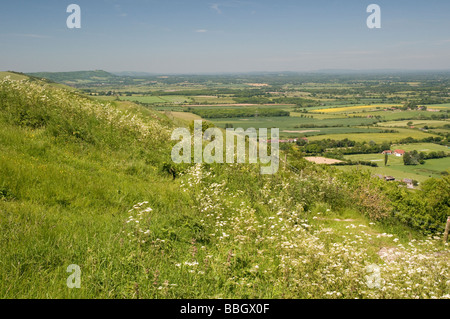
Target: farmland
{"x":396,"y":168}
{"x":173,"y":99}
{"x":415,"y":123}
{"x":378,"y":136}
{"x":376,"y":110}
{"x":366,"y":110}
{"x":357,"y":108}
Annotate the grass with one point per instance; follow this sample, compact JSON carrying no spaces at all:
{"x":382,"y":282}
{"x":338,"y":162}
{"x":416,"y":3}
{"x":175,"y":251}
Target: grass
{"x":213,"y":100}
{"x":157,"y":99}
{"x":400,"y":115}
{"x":422,"y":147}
{"x":295,"y":124}
{"x":378,"y":137}
{"x":13,"y":76}
{"x":415,"y":123}
{"x":184,"y":116}
{"x":82,"y":182}
{"x":396,"y":168}
{"x":439,"y":106}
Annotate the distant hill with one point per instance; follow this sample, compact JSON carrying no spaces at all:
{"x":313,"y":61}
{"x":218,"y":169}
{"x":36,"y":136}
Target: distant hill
{"x":75,"y":76}
{"x":134,"y":74}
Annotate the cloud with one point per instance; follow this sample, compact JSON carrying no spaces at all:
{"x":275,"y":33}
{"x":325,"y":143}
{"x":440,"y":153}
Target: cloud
{"x":201,"y":31}
{"x":215,"y":7}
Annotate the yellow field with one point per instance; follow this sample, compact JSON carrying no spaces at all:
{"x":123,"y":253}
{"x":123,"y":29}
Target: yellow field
{"x":353,"y":108}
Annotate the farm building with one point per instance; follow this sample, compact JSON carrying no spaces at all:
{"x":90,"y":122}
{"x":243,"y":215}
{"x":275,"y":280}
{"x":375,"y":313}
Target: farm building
{"x":389,"y":178}
{"x":291,"y":140}
{"x":388,"y":152}
{"x":399,"y":153}
{"x":409,"y":182}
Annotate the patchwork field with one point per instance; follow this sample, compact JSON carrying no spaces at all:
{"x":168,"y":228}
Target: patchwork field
{"x":400,"y":115}
{"x":377,"y":137}
{"x":415,"y":123}
{"x":292,"y":126}
{"x":177,"y":99}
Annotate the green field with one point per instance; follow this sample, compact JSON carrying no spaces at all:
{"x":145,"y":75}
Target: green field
{"x":421,"y":147}
{"x":399,"y":115}
{"x":396,"y":168}
{"x":291,"y":124}
{"x":432,"y":168}
{"x":378,"y":137}
{"x":416,"y":123}
{"x":176,"y":99}
{"x":320,"y":116}
{"x":439,"y":106}
{"x":212,"y":100}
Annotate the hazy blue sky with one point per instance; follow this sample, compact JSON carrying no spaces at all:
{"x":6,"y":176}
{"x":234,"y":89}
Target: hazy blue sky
{"x":195,"y":36}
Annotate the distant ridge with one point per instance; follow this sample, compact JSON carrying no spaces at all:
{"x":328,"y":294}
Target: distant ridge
{"x":75,"y":76}
{"x":134,"y":74}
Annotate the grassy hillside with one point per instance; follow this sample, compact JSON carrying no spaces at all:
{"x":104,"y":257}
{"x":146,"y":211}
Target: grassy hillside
{"x":399,"y":135}
{"x":82,"y":78}
{"x":85,"y":182}
{"x":13,"y":76}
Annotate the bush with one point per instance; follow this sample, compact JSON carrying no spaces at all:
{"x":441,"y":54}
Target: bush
{"x":373,"y":203}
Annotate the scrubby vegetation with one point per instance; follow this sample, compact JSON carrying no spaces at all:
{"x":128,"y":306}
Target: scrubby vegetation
{"x":247,"y":112}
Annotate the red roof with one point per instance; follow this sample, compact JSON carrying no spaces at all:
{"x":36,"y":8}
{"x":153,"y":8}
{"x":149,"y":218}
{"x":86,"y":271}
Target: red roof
{"x":399,"y":151}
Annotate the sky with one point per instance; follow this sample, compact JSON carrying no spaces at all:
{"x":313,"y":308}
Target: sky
{"x":196,"y":36}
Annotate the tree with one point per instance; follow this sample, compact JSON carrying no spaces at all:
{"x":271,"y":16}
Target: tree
{"x":412,"y":158}
{"x":385,"y":146}
{"x":407,"y":159}
{"x":386,"y":156}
